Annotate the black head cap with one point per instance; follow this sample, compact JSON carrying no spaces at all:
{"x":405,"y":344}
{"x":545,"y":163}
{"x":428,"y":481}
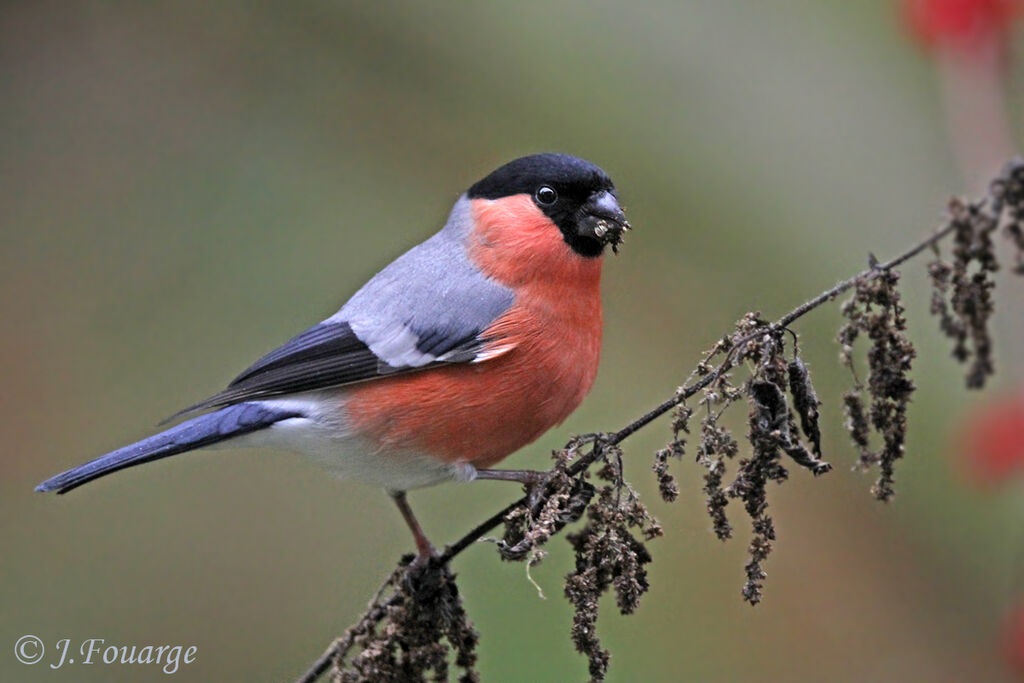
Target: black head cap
{"x":577,"y":195}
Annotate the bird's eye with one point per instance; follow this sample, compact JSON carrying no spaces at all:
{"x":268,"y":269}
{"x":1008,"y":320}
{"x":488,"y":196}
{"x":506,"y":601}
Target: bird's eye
{"x":546,"y":195}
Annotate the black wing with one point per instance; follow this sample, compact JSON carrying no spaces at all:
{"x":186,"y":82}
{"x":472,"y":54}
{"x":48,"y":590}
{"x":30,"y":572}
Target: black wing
{"x":327,"y":355}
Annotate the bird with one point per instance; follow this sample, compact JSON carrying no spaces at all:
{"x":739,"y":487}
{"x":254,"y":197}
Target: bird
{"x":464,"y":349}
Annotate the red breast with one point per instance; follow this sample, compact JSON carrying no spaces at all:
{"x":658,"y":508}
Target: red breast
{"x":480,"y":413}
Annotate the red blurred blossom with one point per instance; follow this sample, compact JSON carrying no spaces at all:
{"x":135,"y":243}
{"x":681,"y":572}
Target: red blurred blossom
{"x":960,"y":23}
{"x":969,"y":42}
{"x":1013,"y":638}
{"x":992,"y":440}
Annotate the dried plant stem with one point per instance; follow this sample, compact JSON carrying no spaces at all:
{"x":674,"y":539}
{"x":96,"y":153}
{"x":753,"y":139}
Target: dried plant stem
{"x":603,"y":442}
{"x":321,"y":665}
{"x":343,"y":643}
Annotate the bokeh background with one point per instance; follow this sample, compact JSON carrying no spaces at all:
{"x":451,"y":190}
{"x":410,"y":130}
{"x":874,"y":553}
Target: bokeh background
{"x":184,"y":185}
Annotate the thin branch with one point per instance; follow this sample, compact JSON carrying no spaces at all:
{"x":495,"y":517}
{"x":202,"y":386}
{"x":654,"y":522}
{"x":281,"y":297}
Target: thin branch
{"x":604,"y":441}
{"x":687,"y":391}
{"x":342,"y":644}
{"x":321,"y":665}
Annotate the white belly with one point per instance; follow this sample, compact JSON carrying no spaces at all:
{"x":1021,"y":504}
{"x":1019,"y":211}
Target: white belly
{"x":323,"y":436}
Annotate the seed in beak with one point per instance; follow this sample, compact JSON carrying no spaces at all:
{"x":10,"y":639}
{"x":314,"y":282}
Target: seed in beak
{"x":601,"y":229}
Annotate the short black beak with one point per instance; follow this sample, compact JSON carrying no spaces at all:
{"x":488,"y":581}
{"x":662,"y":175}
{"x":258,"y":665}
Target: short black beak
{"x":603,"y":219}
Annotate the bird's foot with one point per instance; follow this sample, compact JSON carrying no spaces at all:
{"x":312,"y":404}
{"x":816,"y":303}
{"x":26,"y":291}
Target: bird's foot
{"x":533,"y":481}
{"x":426,"y":555}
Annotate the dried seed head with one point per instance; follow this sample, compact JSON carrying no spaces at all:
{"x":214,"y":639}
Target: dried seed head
{"x":858,"y":428}
{"x":875,"y":310}
{"x":1007,"y":197}
{"x":416,"y":624}
{"x":716,"y":443}
{"x":561,"y":500}
{"x":962,"y":289}
{"x":676,"y":448}
{"x":805,"y":401}
{"x":608,"y":556}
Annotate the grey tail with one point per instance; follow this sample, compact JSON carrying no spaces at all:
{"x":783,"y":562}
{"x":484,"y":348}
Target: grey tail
{"x":198,"y":432}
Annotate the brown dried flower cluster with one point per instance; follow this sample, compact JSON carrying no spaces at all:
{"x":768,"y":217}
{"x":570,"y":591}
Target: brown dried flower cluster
{"x":411,"y":630}
{"x":773,"y":432}
{"x":875,"y":311}
{"x":676,"y":449}
{"x":962,"y":290}
{"x":608,"y":556}
{"x":560,"y":500}
{"x":1007,"y":199}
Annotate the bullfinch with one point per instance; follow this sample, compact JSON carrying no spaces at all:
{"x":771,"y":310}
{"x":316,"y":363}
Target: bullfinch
{"x":467,"y":347}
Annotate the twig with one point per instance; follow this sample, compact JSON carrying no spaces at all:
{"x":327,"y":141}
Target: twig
{"x":604,"y":441}
{"x":321,"y":665}
{"x":342,"y":644}
{"x":687,"y":391}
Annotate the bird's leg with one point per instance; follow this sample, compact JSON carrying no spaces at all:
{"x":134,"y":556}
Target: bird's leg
{"x":531,"y":479}
{"x":424,"y":549}
{"x":524,"y":477}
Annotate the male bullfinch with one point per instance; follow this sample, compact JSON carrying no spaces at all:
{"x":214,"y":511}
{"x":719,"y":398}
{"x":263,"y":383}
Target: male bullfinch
{"x":464,"y":349}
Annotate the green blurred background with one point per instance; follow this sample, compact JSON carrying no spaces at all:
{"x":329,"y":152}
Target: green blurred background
{"x":184,"y":185}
